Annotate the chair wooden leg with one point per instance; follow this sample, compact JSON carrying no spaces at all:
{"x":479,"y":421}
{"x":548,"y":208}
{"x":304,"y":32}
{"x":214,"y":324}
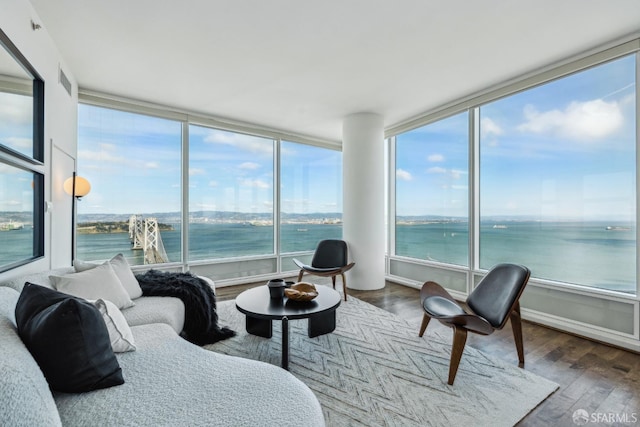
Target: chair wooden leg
{"x":459,"y":340}
{"x":516,"y":325}
{"x":344,"y":286}
{"x":300,"y":275}
{"x":333,"y":281}
{"x":425,"y":322}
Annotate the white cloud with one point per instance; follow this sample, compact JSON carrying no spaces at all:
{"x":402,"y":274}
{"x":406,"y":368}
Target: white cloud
{"x":490,"y":128}
{"x":196,"y":171}
{"x":257,"y":183}
{"x":435,"y":158}
{"x":451,"y":173}
{"x":248,"y":143}
{"x":436,"y":169}
{"x":16,"y":109}
{"x":249,"y":166}
{"x":456,"y":174}
{"x":110,"y":154}
{"x":403,"y":175}
{"x":590,"y":120}
{"x":213,"y":183}
{"x":8,"y":169}
{"x":102,"y":156}
{"x":205,"y":207}
{"x":17,"y":142}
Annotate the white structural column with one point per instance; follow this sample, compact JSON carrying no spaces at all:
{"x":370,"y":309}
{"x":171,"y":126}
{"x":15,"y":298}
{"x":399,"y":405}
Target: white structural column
{"x":363,"y":198}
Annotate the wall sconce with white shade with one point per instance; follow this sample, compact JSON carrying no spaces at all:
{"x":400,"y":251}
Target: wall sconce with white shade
{"x":77,"y":187}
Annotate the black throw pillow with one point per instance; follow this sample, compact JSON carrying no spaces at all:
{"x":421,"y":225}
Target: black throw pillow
{"x":68,"y":338}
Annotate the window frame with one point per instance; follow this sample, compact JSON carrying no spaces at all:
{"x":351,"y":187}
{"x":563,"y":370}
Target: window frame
{"x":34,"y":163}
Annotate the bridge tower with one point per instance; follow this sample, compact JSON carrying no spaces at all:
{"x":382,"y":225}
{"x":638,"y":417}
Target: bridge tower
{"x":145,"y":234}
{"x":154,"y":252}
{"x":136,"y":231}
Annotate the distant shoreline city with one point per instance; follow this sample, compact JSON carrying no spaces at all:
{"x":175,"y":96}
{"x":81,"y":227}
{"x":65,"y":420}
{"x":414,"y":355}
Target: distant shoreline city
{"x":115,"y":223}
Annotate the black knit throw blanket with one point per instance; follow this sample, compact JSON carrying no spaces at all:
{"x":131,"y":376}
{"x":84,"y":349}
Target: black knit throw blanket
{"x":200,"y":318}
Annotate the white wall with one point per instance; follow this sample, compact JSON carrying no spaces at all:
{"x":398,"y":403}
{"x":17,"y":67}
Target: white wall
{"x":60,"y":127}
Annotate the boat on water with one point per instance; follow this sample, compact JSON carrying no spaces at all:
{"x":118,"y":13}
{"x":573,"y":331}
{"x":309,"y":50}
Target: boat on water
{"x":260,"y":223}
{"x":617,"y":228}
{"x":11,"y":226}
{"x":500,"y":226}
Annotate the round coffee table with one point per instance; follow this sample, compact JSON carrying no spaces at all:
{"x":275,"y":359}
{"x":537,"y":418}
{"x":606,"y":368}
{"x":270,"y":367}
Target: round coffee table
{"x":261,"y":310}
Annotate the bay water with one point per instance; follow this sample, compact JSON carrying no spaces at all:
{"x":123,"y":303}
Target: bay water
{"x":595,"y":254}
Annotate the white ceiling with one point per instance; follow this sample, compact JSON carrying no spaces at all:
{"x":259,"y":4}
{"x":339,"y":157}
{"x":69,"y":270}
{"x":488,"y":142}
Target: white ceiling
{"x":302,"y":66}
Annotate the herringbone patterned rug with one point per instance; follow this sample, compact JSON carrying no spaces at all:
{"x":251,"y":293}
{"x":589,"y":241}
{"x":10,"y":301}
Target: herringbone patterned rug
{"x":374,"y":370}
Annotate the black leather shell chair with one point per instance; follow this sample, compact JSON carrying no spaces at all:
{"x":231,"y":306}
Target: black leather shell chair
{"x":494,"y":301}
{"x":329,"y":260}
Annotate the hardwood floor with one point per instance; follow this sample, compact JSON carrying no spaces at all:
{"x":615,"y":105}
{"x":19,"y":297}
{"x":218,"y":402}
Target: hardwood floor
{"x":602,"y":380}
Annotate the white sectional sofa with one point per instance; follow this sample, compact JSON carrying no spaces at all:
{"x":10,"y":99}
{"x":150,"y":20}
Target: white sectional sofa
{"x":167,"y":380}
{"x":146,"y":310}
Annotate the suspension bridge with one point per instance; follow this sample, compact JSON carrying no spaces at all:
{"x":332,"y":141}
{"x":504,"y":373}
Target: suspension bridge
{"x":145,"y":235}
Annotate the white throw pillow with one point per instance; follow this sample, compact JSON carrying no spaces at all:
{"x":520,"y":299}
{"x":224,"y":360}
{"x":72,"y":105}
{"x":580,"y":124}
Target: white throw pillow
{"x":120,"y":334}
{"x":98,"y":283}
{"x":122,"y":270}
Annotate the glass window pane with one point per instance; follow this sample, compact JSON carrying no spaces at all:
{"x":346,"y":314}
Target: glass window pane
{"x":133,"y":163}
{"x":21,"y":228}
{"x":557,"y":178}
{"x":311,"y":196}
{"x":16,"y":121}
{"x":432,"y":175}
{"x":20,"y":111}
{"x":230,"y":194}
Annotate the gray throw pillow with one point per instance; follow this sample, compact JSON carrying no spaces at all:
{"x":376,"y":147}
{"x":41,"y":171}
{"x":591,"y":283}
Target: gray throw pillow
{"x":122,"y":269}
{"x":98,"y":283}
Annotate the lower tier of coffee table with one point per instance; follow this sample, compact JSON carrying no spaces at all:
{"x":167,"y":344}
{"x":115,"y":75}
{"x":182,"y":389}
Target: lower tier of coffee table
{"x":318,"y":324}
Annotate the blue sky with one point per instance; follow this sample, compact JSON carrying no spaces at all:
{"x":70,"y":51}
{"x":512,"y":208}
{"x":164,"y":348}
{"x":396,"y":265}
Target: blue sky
{"x":563,"y":150}
{"x":134,"y":165}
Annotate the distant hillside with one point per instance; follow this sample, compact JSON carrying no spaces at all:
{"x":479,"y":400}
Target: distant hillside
{"x":100,"y":227}
{"x":176,"y":217}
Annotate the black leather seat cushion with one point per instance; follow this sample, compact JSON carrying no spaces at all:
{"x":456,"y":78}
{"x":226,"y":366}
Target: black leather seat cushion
{"x":437,"y":306}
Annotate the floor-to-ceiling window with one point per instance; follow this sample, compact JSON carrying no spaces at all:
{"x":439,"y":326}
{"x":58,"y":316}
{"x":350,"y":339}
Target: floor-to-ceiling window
{"x":552,"y":184}
{"x":558,"y":178}
{"x":22,"y":184}
{"x":133,"y":162}
{"x":432,"y":175}
{"x":230,"y":194}
{"x":310,"y":196}
{"x":555,"y":183}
